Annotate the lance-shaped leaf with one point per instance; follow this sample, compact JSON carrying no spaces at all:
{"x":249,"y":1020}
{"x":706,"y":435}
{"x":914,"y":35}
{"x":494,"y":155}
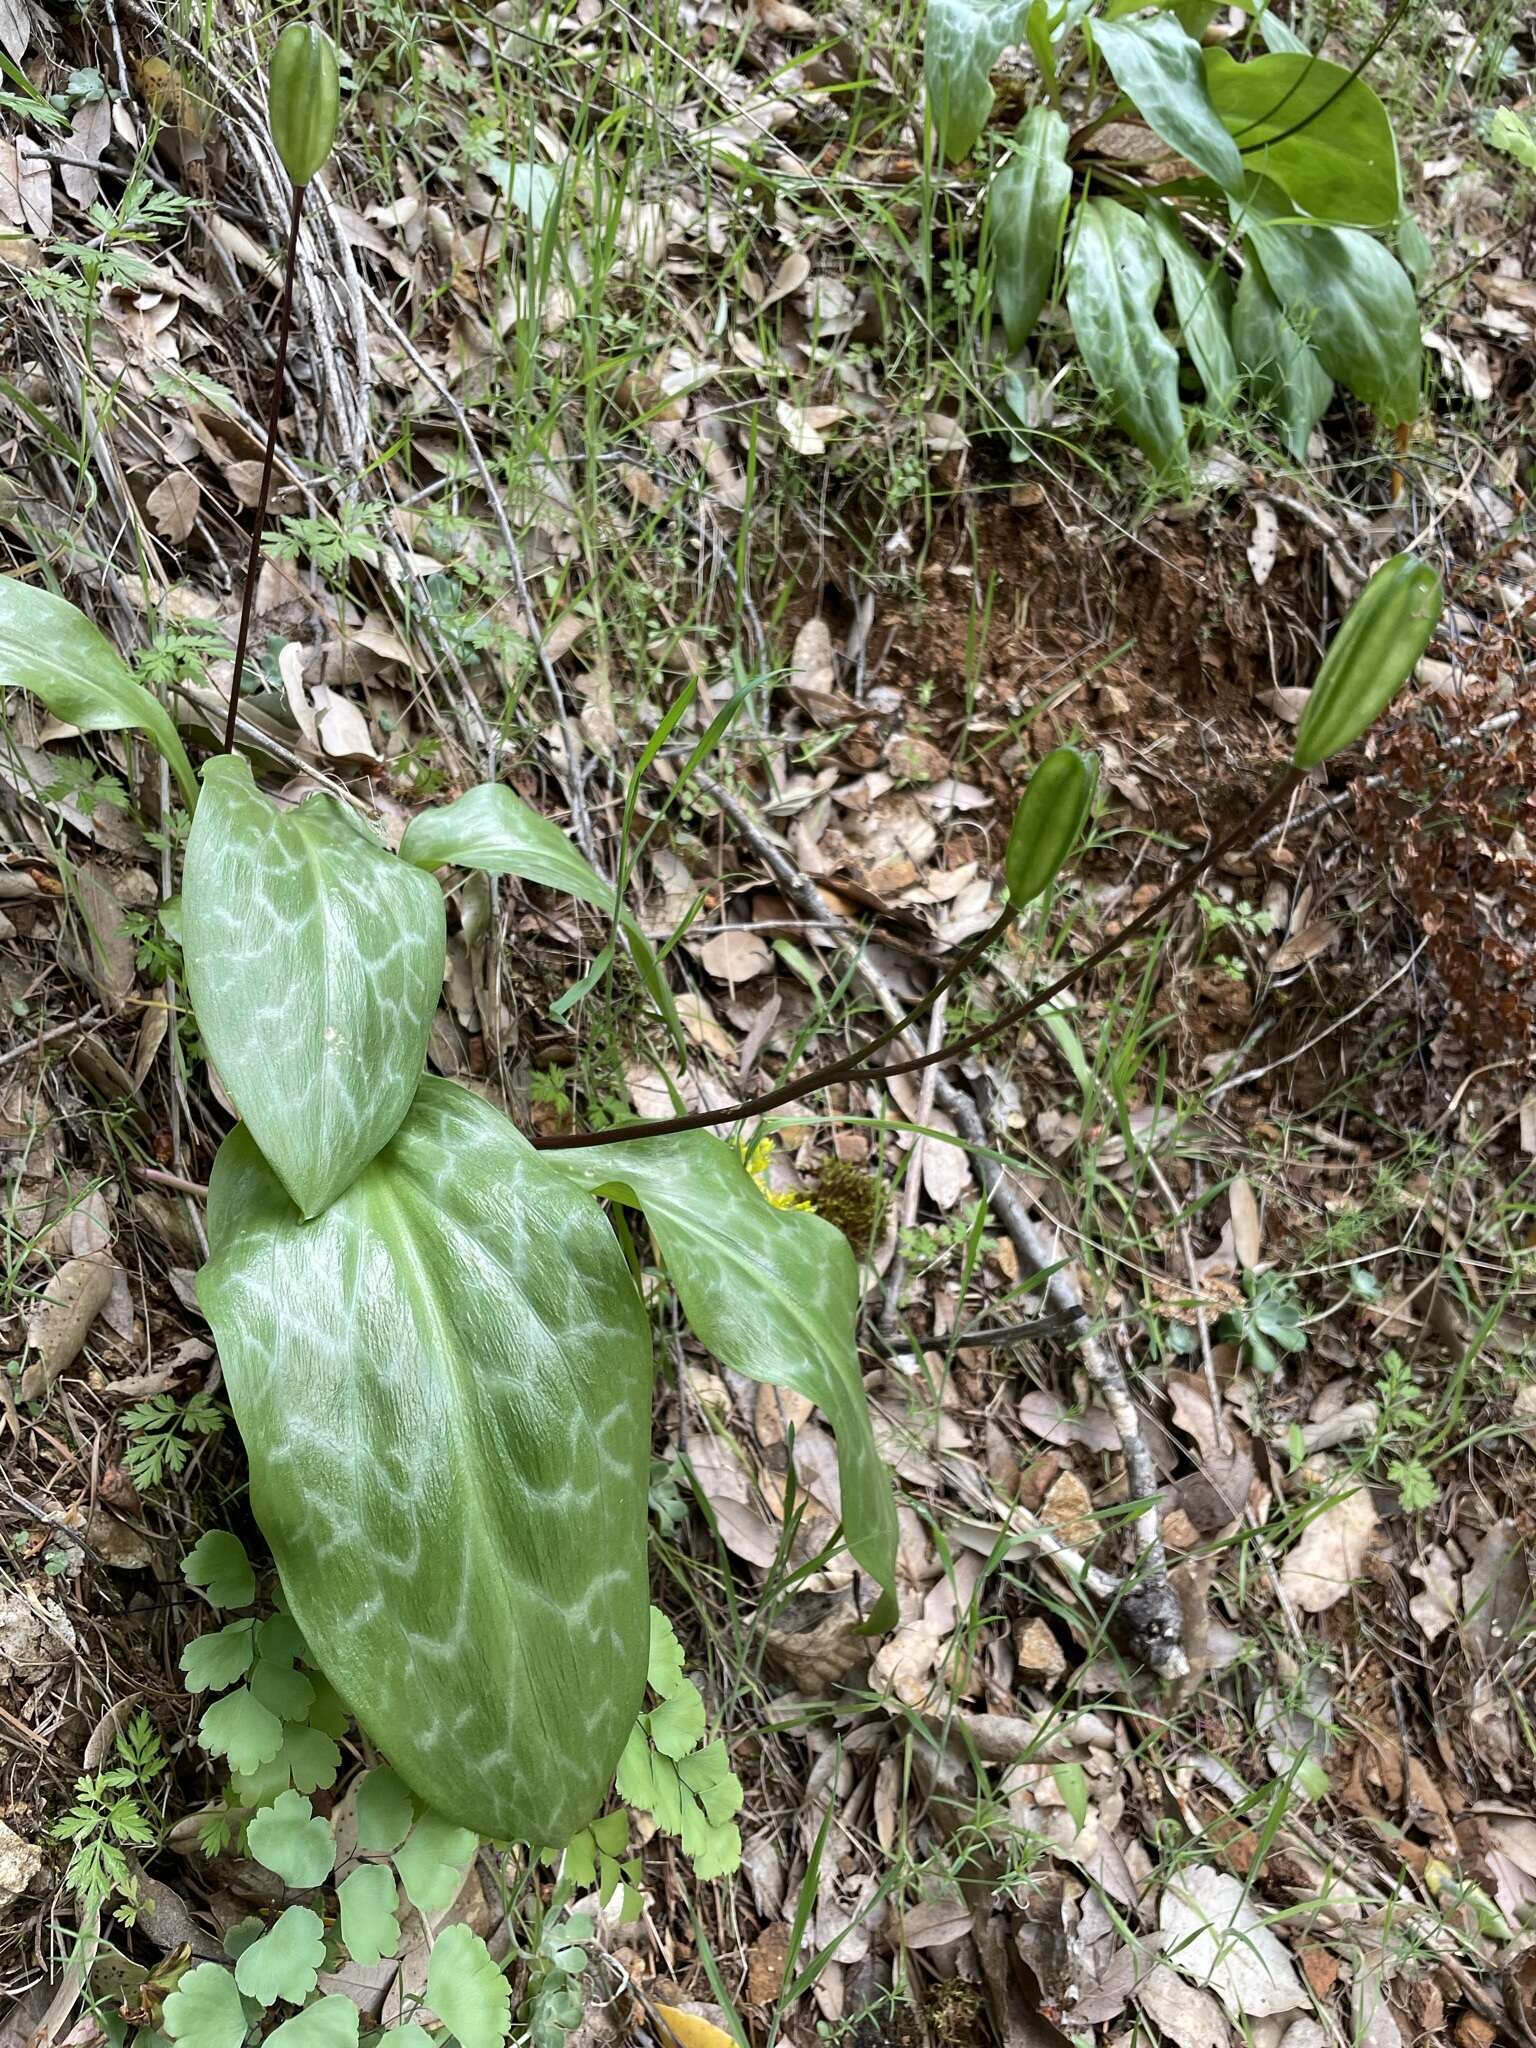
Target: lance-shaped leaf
{"x":1203,"y":299}
{"x":773,"y":1293}
{"x":1114,"y":274}
{"x":1287,"y":379}
{"x":443,"y":1384}
{"x":315,"y":962}
{"x":1346,"y":295}
{"x":1157,"y":66}
{"x":1316,"y":129}
{"x":962,"y":40}
{"x":1026,"y":212}
{"x":49,"y":647}
{"x":490,"y":827}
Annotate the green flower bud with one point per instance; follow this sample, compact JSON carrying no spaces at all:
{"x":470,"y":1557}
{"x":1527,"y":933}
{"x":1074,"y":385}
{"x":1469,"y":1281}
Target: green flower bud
{"x":1374,"y":652}
{"x":304,"y":98}
{"x":1047,"y":823}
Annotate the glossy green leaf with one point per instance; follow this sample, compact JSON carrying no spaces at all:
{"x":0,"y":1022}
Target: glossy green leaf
{"x":383,"y":1807}
{"x":218,"y":1566}
{"x":1319,"y":132}
{"x":1157,"y":66}
{"x":369,"y":1905}
{"x":286,"y":1961}
{"x":773,"y":1293}
{"x":315,"y":963}
{"x":328,"y":2023}
{"x":51,"y":649}
{"x":1347,"y":296}
{"x":1287,"y":379}
{"x":240,"y":1728}
{"x":211,"y":1662}
{"x":290,"y":1838}
{"x":1203,"y":299}
{"x":1026,"y":214}
{"x":962,"y":40}
{"x":432,"y":1861}
{"x":1277,"y":34}
{"x":443,"y":1385}
{"x":466,"y":1990}
{"x":1114,"y":275}
{"x":205,"y":2009}
{"x":490,"y":828}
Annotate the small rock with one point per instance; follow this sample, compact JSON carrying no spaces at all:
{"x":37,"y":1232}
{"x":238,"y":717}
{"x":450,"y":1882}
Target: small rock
{"x":1068,"y":1509}
{"x":1036,"y":1651}
{"x":20,"y":1863}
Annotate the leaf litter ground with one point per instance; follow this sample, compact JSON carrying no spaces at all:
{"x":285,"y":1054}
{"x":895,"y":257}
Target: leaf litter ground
{"x":1282,"y":1155}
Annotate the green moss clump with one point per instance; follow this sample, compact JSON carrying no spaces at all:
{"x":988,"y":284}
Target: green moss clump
{"x":851,"y":1198}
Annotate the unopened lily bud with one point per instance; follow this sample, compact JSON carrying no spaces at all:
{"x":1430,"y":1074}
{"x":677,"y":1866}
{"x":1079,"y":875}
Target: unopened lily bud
{"x":1374,"y":652}
{"x":1048,"y":822}
{"x":304,"y":98}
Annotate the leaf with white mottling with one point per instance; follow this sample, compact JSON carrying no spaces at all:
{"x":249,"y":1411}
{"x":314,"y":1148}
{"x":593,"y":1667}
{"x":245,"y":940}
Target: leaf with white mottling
{"x":443,"y":1385}
{"x":962,"y":40}
{"x":1114,"y":275}
{"x":1026,"y":213}
{"x":1156,"y":64}
{"x":773,"y":1293}
{"x":1214,"y":1935}
{"x":315,"y":963}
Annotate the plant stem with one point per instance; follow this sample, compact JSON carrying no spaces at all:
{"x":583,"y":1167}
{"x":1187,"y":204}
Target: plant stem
{"x":253,"y":560}
{"x":851,"y":1067}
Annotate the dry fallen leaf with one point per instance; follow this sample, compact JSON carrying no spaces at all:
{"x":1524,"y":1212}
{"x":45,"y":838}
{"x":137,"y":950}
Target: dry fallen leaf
{"x":1215,"y":1936}
{"x":1309,"y":943}
{"x":60,"y":1324}
{"x":173,"y":503}
{"x":1328,"y":1559}
{"x":689,"y":2031}
{"x":736,"y":955}
{"x":1188,"y":2016}
{"x":1246,"y":1239}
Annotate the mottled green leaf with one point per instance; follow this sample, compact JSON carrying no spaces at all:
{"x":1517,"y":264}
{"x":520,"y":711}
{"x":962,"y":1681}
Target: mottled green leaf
{"x":217,"y":1563}
{"x":290,"y":1838}
{"x":962,"y":40}
{"x":286,"y":1961}
{"x":1346,"y":295}
{"x":1026,"y":214}
{"x":443,"y":1385}
{"x":1114,"y":274}
{"x":432,"y":1862}
{"x":467,"y":1991}
{"x":204,"y":2011}
{"x":211,"y":1662}
{"x":315,"y":963}
{"x":383,"y":1806}
{"x":328,"y":2023}
{"x":240,"y":1728}
{"x":1317,"y":130}
{"x":51,"y":649}
{"x":492,"y":829}
{"x":1157,"y":66}
{"x":1203,"y":299}
{"x":1287,"y":379}
{"x":773,"y":1293}
{"x":369,"y":1904}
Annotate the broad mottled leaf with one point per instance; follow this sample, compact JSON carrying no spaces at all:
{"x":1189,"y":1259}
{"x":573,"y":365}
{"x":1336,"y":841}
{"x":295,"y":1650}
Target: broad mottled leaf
{"x":205,"y":2009}
{"x":1346,"y":295}
{"x":1317,"y":130}
{"x":1287,"y":379}
{"x":443,"y":1385}
{"x":1114,"y":274}
{"x":328,"y":2023}
{"x":466,"y":1990}
{"x":290,"y":1838}
{"x":369,"y":1904}
{"x":490,"y":828}
{"x":315,"y":963}
{"x":383,"y":1808}
{"x":432,"y":1861}
{"x":1203,"y":298}
{"x":286,"y":1961}
{"x":211,"y":1662}
{"x":1157,"y":66}
{"x":1026,"y":213}
{"x":51,"y":649}
{"x":962,"y":40}
{"x":773,"y":1293}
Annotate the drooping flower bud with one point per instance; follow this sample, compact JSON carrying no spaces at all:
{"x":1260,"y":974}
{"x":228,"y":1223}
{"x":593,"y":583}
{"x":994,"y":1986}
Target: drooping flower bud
{"x":304,"y":98}
{"x":1048,"y":821}
{"x":1374,"y":652}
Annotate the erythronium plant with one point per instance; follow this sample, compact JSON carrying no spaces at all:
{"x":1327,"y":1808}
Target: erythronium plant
{"x":432,"y":1338}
